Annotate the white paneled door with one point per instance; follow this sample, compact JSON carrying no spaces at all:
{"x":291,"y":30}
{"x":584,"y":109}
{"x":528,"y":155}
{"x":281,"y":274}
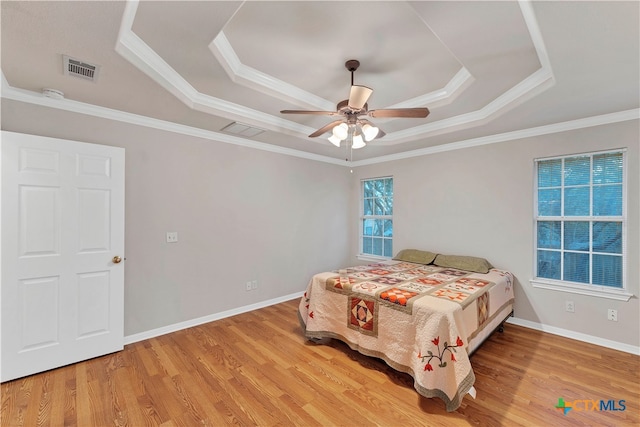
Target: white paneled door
{"x":62,"y":269}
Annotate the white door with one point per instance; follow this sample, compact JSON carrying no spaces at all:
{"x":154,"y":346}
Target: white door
{"x":62,"y":229}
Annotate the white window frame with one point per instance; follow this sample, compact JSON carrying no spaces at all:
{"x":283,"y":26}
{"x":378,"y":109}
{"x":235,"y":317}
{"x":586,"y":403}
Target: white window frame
{"x":573,"y":287}
{"x":361,"y":254}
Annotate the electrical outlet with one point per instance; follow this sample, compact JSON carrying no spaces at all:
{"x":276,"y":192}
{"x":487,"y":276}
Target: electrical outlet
{"x":568,"y":305}
{"x":248,"y":286}
{"x":612,"y":315}
{"x":254,"y":284}
{"x":172,"y":236}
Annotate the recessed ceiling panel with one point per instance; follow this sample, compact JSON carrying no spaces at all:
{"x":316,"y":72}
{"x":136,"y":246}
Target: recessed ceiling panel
{"x":307,"y":43}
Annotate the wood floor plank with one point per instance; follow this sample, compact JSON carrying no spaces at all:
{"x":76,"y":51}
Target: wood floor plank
{"x":85,"y":414}
{"x":257,"y":369}
{"x":294,"y":412}
{"x":162,"y":404}
{"x":290,"y":384}
{"x":58,"y":399}
{"x":149,"y":361}
{"x":35,"y":393}
{"x":70,"y":413}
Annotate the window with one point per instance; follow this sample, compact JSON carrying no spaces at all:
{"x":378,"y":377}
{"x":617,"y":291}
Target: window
{"x":580,"y":223}
{"x":376,"y":220}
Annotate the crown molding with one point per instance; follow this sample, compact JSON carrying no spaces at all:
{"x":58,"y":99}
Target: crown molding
{"x":460,"y":81}
{"x":136,"y":51}
{"x":262,"y":82}
{"x":528,"y":88}
{"x":531,"y":86}
{"x":9,"y":92}
{"x":586,"y":122}
{"x":534,"y":32}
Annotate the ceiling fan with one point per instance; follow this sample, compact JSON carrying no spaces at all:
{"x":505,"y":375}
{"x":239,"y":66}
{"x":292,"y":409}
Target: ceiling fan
{"x":352,"y":127}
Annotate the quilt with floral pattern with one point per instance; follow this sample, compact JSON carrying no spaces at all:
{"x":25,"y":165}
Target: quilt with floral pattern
{"x":417,"y":318}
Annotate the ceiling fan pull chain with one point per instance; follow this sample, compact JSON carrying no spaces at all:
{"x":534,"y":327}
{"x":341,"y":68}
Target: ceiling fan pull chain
{"x":346,"y":150}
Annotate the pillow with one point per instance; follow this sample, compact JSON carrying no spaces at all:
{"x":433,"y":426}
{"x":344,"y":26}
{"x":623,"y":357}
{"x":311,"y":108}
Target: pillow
{"x":415,"y":255}
{"x":468,"y":263}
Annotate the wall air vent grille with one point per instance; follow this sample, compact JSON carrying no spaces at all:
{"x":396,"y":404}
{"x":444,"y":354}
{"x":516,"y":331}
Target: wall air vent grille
{"x":81,"y":69}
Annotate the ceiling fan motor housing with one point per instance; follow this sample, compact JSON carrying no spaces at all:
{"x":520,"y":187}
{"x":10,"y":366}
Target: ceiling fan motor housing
{"x":352,"y":65}
{"x":343,"y":106}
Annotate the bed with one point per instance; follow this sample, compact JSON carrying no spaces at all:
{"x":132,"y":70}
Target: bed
{"x":422,"y":313}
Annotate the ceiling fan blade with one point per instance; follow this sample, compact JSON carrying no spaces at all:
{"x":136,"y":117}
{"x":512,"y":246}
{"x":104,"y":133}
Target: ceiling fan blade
{"x":319,"y":113}
{"x":326,"y":128}
{"x":359,"y":96}
{"x":400,"y":112}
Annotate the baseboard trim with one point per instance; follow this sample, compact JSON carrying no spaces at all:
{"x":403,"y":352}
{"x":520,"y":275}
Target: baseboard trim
{"x":615,"y":345}
{"x":130,"y":339}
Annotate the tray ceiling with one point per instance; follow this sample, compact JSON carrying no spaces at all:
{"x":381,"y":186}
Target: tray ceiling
{"x":484,"y":69}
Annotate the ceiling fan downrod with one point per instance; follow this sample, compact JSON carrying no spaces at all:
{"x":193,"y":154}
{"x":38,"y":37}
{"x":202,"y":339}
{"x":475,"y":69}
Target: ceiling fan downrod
{"x":352,"y":65}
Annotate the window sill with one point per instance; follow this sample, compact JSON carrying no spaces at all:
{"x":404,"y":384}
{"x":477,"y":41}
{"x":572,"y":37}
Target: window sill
{"x":367,"y":257}
{"x":594,"y":291}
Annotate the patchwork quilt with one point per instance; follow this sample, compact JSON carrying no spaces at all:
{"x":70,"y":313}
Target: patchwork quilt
{"x":418,"y":318}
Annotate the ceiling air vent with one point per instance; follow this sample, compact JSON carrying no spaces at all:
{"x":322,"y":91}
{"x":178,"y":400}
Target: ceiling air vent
{"x":241,"y":129}
{"x":78,"y":68}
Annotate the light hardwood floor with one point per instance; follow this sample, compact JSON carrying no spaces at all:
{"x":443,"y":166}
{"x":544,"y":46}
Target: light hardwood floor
{"x":257,"y":369}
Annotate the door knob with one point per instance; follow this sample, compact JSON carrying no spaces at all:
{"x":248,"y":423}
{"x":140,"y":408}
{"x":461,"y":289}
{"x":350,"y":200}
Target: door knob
{"x":116,"y":259}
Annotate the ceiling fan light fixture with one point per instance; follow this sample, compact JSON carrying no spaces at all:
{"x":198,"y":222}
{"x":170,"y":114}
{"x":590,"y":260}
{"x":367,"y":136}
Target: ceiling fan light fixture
{"x":353,"y":129}
{"x":369,"y":132}
{"x":341,"y":131}
{"x":357,"y":142}
{"x":335,"y":140}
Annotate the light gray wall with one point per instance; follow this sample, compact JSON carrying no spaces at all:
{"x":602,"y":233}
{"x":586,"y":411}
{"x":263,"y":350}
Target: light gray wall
{"x":479,"y":201}
{"x":242,"y":214}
